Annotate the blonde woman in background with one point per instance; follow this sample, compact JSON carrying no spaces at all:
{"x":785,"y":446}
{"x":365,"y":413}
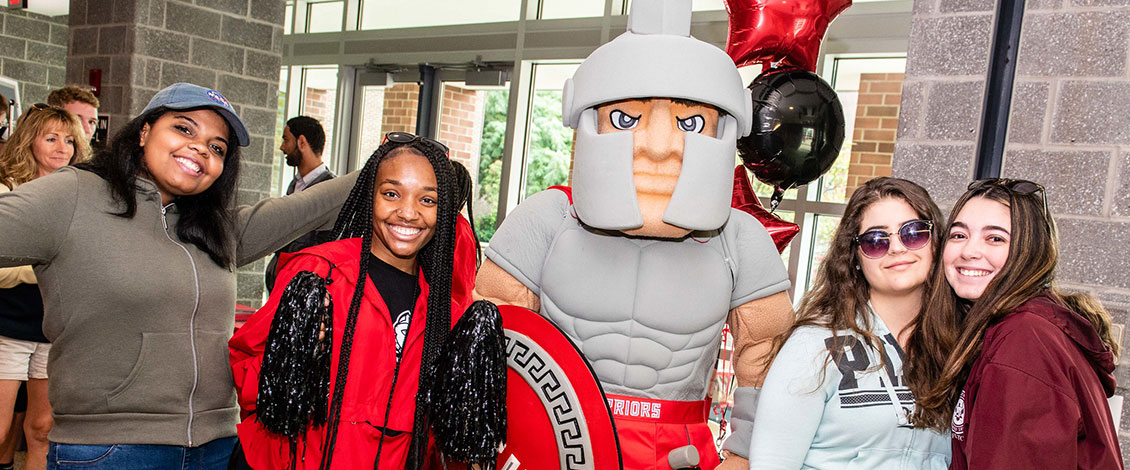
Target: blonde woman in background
{"x":45,"y":139}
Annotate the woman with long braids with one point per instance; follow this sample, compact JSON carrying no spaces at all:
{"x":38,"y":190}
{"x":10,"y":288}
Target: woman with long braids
{"x":389,"y":278}
{"x":835,"y":396}
{"x":1018,"y":370}
{"x":135,"y":253}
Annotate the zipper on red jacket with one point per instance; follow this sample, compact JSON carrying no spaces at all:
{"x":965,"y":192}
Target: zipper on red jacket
{"x":191,"y":322}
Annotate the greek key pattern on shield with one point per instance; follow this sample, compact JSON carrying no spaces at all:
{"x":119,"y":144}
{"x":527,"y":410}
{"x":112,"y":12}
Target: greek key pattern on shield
{"x":529,"y":360}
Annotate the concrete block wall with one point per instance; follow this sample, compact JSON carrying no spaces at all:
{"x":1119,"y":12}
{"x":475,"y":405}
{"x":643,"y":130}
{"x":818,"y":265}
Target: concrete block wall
{"x":876,"y":124}
{"x":946,"y":65}
{"x":33,"y":51}
{"x":1069,"y":128}
{"x":233,"y":46}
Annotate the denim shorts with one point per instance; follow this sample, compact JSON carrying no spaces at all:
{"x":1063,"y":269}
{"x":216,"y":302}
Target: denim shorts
{"x":211,"y":456}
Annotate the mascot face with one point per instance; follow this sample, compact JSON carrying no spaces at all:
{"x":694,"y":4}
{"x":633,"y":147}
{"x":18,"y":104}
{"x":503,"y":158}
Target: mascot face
{"x":659,"y":127}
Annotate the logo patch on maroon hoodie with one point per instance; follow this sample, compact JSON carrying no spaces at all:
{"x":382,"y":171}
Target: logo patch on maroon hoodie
{"x":957,"y":426}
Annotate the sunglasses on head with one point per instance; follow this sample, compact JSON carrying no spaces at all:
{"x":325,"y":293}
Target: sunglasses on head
{"x":1021,"y":187}
{"x":913,"y":234}
{"x":407,"y":138}
{"x":31,"y":110}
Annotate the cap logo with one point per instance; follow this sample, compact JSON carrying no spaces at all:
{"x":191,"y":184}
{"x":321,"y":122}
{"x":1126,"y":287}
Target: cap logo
{"x":217,"y":97}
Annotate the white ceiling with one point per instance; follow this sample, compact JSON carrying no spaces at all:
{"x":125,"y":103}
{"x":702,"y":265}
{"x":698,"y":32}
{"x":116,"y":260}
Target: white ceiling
{"x":49,"y":7}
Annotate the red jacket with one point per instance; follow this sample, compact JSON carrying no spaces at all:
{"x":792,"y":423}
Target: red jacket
{"x":464,"y":267}
{"x":371,"y":366}
{"x":1036,"y":397}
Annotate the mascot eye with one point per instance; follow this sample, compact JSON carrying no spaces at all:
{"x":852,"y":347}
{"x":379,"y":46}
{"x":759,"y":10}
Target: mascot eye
{"x":694,"y":123}
{"x":622,"y":120}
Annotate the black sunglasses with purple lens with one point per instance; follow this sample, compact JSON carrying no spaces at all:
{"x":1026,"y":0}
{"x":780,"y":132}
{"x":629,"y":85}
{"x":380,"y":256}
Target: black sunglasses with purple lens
{"x":407,"y":138}
{"x":913,"y":234}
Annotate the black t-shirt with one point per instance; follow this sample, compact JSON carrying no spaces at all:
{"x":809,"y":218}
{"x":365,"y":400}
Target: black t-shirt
{"x":398,"y":289}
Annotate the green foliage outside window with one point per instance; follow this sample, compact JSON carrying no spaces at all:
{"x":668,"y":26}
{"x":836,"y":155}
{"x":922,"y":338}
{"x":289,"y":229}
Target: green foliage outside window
{"x":550,"y":147}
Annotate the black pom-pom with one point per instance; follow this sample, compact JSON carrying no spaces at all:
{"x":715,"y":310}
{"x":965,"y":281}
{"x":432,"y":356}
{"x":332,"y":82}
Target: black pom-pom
{"x":294,"y":379}
{"x":467,"y":399}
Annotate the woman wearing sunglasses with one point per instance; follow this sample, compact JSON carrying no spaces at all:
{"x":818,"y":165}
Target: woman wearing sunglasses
{"x":1016,"y":369}
{"x":835,"y":396}
{"x":391,"y":286}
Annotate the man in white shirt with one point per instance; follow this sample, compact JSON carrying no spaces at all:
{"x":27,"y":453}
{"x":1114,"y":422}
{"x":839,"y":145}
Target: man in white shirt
{"x":302,"y":145}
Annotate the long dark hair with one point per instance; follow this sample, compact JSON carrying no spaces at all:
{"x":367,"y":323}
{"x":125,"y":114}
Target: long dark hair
{"x":950,"y":330}
{"x":205,"y":218}
{"x":839,"y":295}
{"x":436,"y":257}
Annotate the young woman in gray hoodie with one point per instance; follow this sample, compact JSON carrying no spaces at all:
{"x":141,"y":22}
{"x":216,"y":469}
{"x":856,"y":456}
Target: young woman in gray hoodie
{"x":135,"y":254}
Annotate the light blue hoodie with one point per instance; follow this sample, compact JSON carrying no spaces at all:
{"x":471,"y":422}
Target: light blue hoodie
{"x":855,"y":418}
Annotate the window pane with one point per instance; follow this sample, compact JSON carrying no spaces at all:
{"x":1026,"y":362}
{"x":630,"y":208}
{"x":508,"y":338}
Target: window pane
{"x":551,"y":9}
{"x":485,"y":203}
{"x":707,"y":5}
{"x":386,"y":14}
{"x":278,"y":166}
{"x":870,"y":90}
{"x":825,"y":230}
{"x":372,"y":113}
{"x":325,"y":17}
{"x":288,"y":21}
{"x":549,"y":143}
{"x":700,"y":5}
{"x":319,"y":94}
{"x":791,"y":217}
{"x":385,"y":109}
{"x":472,"y":122}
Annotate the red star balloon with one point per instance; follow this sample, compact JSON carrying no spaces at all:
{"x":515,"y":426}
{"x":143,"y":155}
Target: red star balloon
{"x":745,"y":200}
{"x":779,"y":33}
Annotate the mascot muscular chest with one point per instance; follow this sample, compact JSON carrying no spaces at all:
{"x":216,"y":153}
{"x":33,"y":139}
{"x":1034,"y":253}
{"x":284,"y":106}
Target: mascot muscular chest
{"x":646,"y":313}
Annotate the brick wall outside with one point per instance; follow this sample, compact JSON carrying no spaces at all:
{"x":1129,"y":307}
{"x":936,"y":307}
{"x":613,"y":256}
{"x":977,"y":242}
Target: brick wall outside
{"x":33,"y":51}
{"x":876,"y":125}
{"x":461,"y":125}
{"x":400,"y":105}
{"x":319,"y":104}
{"x":460,"y":121}
{"x":233,"y":46}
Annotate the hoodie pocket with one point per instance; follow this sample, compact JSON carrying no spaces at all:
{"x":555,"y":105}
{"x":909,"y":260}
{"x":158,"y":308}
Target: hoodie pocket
{"x":161,"y":378}
{"x":216,"y":389}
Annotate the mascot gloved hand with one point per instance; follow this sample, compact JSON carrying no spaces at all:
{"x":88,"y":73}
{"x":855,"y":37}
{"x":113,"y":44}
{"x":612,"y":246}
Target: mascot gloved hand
{"x":643,"y":261}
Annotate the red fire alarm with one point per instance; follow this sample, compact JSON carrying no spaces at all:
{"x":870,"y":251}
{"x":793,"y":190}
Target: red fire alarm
{"x":96,"y":81}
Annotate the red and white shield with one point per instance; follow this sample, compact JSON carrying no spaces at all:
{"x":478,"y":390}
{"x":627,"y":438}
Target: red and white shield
{"x":556,"y":412}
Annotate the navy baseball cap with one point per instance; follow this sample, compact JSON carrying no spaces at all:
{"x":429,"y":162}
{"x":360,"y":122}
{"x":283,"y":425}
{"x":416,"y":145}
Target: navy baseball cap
{"x":187,"y":96}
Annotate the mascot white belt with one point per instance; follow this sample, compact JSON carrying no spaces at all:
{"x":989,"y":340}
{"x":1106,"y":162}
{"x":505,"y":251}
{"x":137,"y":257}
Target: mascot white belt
{"x":644,"y":262}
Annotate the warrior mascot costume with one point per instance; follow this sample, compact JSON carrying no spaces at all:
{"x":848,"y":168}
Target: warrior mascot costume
{"x":643,"y":261}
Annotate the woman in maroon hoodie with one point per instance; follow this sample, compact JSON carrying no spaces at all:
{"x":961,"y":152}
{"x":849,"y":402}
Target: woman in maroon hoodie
{"x":1018,"y":370}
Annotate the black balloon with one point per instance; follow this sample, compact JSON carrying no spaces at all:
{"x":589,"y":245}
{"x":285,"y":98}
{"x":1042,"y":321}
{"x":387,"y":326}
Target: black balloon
{"x":798,"y":128}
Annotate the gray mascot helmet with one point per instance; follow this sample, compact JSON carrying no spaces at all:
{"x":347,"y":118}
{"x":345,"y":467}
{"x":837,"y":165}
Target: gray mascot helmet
{"x":655,"y":58}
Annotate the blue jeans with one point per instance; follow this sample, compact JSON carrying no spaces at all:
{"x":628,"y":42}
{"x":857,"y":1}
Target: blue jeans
{"x":211,"y":456}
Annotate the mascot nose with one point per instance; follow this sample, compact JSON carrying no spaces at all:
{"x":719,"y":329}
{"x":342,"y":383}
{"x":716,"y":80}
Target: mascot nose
{"x":658,"y":140}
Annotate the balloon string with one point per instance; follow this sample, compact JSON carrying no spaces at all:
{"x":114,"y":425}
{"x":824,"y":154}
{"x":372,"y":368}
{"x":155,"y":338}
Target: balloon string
{"x":775,"y":200}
